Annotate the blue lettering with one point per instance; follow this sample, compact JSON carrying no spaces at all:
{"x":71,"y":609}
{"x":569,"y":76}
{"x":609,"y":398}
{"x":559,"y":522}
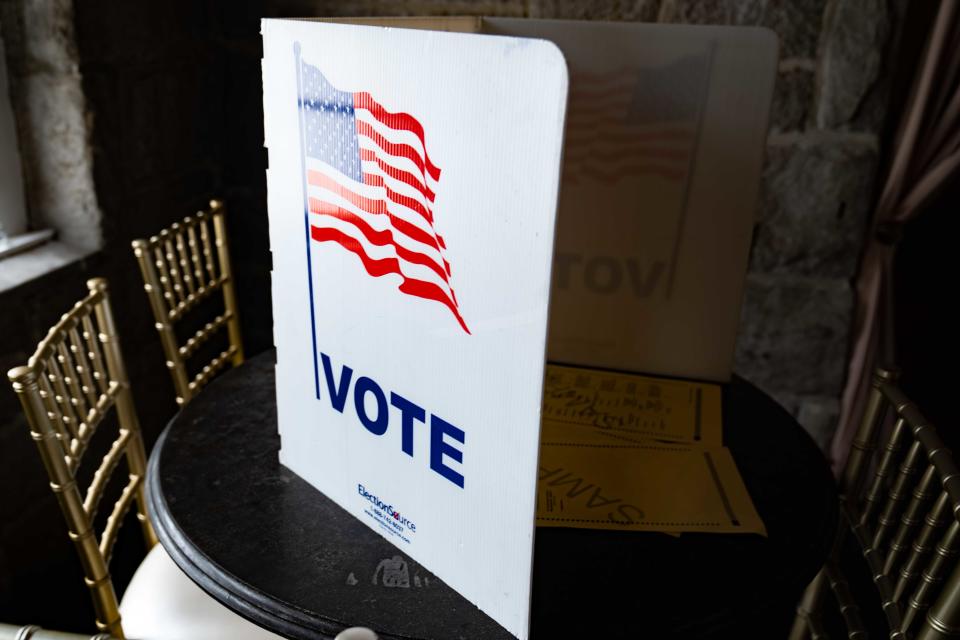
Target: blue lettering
{"x":338,"y":395}
{"x":379,"y":426}
{"x":438,"y":448}
{"x":408,"y":413}
{"x":443,"y":436}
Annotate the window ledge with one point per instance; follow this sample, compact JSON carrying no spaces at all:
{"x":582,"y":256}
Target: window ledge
{"x":23,"y":267}
{"x":23,"y":242}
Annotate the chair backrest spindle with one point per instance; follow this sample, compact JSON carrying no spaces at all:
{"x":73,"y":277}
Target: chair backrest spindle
{"x":66,"y":389}
{"x":905,"y":518}
{"x":182,"y":266}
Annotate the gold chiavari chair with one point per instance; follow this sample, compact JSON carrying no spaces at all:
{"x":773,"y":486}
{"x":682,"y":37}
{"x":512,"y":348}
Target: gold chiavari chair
{"x":67,"y":389}
{"x":900,"y":502}
{"x":69,"y":384}
{"x":182,"y":266}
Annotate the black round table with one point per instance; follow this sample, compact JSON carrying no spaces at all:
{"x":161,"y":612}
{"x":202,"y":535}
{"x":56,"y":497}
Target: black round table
{"x":277,"y":551}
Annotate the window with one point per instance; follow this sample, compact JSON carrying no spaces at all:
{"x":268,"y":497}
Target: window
{"x":57,"y":221}
{"x":13,"y":215}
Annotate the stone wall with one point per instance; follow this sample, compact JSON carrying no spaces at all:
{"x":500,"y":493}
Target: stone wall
{"x":818,"y":191}
{"x":52,"y":125}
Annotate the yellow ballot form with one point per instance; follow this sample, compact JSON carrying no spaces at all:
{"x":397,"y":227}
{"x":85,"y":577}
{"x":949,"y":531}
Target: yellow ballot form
{"x":629,"y":407}
{"x":635,"y":453}
{"x":637,"y":487}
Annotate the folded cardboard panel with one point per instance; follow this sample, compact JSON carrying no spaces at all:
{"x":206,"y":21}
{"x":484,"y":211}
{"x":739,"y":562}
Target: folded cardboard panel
{"x":419,"y":178}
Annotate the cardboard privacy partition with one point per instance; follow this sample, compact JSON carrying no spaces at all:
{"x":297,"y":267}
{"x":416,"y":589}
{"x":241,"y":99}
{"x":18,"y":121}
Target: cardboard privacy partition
{"x":415,"y":179}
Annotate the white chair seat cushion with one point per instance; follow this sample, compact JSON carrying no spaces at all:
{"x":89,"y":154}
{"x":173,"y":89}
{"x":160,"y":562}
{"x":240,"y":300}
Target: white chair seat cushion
{"x":162,"y":603}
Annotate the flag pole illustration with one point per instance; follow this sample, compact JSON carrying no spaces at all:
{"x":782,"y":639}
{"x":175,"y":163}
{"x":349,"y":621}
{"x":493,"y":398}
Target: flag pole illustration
{"x":306,"y":222}
{"x":369,"y":188}
{"x":700,"y":72}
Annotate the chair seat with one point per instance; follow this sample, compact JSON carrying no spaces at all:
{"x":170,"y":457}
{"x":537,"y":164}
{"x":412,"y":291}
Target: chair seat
{"x":162,"y":603}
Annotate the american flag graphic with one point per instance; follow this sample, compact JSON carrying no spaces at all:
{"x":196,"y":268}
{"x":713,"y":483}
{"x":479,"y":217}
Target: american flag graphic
{"x":635,"y":122}
{"x":370,"y":187}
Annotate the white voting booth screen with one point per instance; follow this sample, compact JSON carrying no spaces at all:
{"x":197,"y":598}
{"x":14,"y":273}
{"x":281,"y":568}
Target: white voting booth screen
{"x":414,"y":185}
{"x":412,"y":198}
{"x":665,"y":133}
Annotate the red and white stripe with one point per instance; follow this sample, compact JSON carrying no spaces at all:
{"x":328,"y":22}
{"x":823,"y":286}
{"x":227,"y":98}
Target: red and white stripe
{"x":387,"y":220}
{"x":602,"y":144}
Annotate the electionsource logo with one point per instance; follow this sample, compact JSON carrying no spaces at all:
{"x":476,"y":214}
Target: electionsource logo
{"x":387,"y":515}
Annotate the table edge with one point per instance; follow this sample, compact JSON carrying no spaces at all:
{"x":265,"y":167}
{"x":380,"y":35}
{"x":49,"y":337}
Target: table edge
{"x":272,"y":613}
{"x":223,"y":587}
